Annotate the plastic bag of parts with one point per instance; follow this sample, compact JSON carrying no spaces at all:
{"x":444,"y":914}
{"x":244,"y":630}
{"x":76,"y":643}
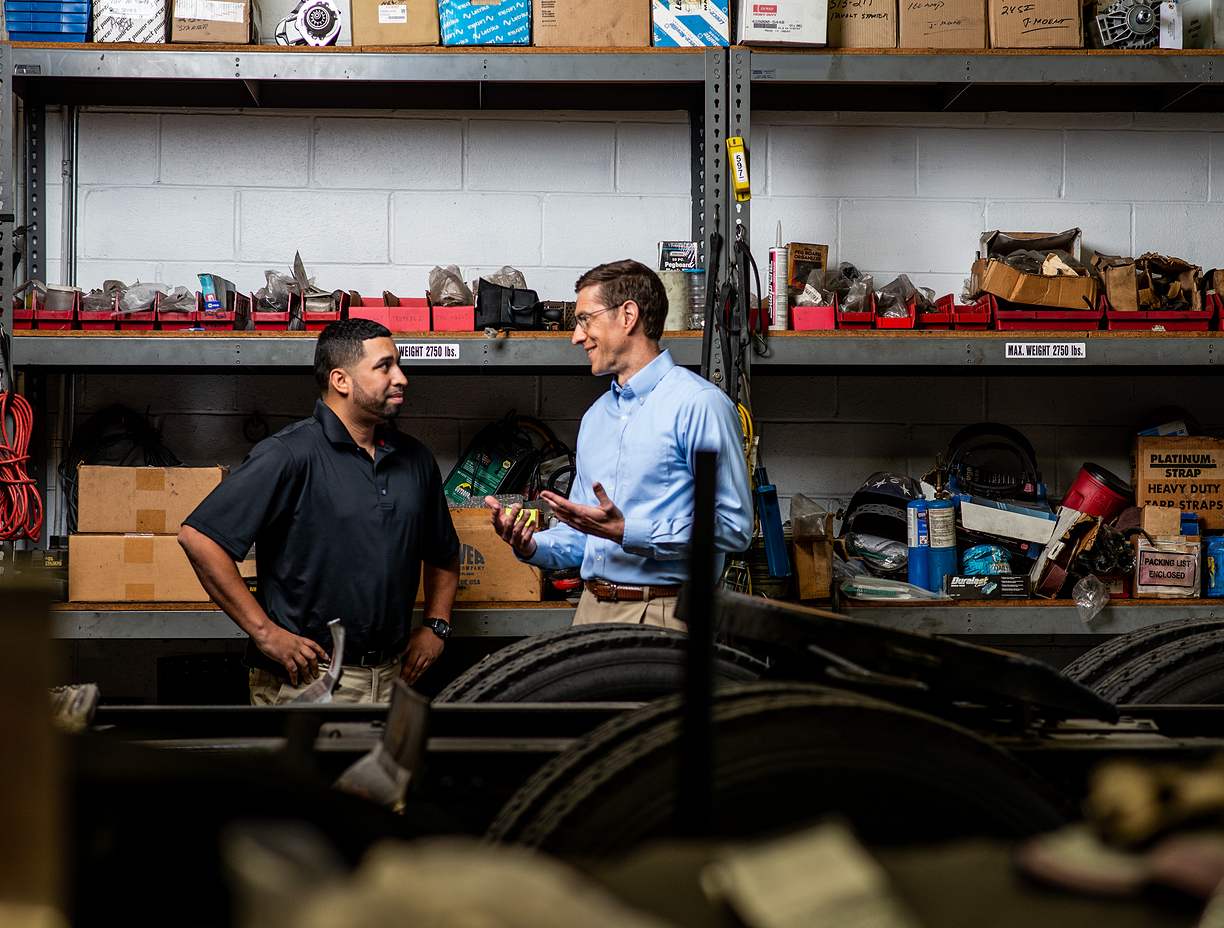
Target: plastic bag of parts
{"x":814,"y":291}
{"x":100,"y":301}
{"x":446,"y":287}
{"x":1091,"y":596}
{"x":858,"y":297}
{"x":1056,"y":263}
{"x":854,"y":567}
{"x":177,"y":300}
{"x":139,"y":297}
{"x":837,"y":282}
{"x":985,"y":561}
{"x":507,"y":277}
{"x":878,"y":588}
{"x":809,"y":520}
{"x":881,"y":555}
{"x":273,"y":297}
{"x":893,"y":298}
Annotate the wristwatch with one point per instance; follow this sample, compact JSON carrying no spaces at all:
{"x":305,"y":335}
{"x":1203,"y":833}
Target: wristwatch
{"x":439,"y":627}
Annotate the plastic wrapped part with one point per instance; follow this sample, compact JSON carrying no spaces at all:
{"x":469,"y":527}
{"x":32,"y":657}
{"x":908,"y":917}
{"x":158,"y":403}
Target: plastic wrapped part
{"x":893,"y":298}
{"x":1091,"y":596}
{"x":139,"y":298}
{"x":507,"y":277}
{"x":1051,"y":263}
{"x":809,"y":520}
{"x":881,"y":555}
{"x":177,"y":300}
{"x":985,"y":561}
{"x":98,"y":301}
{"x":446,"y":287}
{"x":838,"y":281}
{"x":851,"y":568}
{"x":880,"y":589}
{"x":858,"y":296}
{"x":273,"y":297}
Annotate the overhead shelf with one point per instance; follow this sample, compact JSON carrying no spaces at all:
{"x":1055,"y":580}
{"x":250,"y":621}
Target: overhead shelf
{"x":418,"y":78}
{"x":536,"y":351}
{"x":1068,"y":80}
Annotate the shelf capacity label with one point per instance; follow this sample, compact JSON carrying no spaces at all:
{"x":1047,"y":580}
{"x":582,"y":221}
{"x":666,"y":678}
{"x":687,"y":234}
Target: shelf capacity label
{"x":428,"y":351}
{"x":1048,"y":351}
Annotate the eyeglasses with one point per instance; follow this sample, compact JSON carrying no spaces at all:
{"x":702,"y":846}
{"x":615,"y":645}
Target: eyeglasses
{"x":584,"y":319}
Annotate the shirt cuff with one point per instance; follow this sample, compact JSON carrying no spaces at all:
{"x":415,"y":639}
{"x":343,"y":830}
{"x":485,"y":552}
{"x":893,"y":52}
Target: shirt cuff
{"x":636,"y":539}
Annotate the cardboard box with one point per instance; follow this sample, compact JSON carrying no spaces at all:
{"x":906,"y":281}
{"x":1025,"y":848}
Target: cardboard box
{"x":272,"y":12}
{"x":485,"y":22}
{"x":1168,"y":569}
{"x":801,"y":260}
{"x":690,"y":23}
{"x":942,"y":24}
{"x":1182,"y":473}
{"x":211,"y":21}
{"x":153,"y":500}
{"x":1002,"y":586}
{"x":1160,"y":521}
{"x":134,"y":569}
{"x":395,"y":22}
{"x":862,"y":23}
{"x":1006,"y":283}
{"x":1035,"y":24}
{"x":1007,"y":521}
{"x":591,"y":23}
{"x":1123,"y":277}
{"x":488,"y":569}
{"x":142,"y":21}
{"x":782,"y":22}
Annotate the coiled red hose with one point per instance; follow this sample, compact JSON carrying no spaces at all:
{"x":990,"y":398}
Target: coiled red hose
{"x":21,"y":508}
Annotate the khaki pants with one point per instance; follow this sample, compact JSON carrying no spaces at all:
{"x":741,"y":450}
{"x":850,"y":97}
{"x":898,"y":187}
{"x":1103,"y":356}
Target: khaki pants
{"x":356,"y":685}
{"x":659,"y":611}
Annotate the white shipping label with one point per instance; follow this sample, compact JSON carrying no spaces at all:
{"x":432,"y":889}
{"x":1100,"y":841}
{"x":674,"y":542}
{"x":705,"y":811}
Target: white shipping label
{"x":392,"y":14}
{"x":216,"y":11}
{"x":134,"y":9}
{"x":941,"y":523}
{"x":427,"y":351}
{"x":1054,"y":351}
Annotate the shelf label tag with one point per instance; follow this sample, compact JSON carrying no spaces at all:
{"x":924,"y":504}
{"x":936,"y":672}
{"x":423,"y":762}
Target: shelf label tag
{"x":1049,"y":351}
{"x":428,"y":351}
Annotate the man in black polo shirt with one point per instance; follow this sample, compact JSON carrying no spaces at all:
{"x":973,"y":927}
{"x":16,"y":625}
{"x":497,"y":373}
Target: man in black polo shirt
{"x":343,"y":510}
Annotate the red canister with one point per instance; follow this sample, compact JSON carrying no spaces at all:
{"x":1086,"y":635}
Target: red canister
{"x":1097,"y":492}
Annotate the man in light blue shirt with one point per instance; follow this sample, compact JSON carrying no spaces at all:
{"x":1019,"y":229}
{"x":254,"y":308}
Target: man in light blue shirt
{"x":629,"y":515}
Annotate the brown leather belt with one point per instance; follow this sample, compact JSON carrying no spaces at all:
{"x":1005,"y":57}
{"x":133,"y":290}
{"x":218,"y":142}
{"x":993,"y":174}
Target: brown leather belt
{"x":608,"y":592}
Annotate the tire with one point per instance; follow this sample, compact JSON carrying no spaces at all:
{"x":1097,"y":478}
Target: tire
{"x":785,"y":754}
{"x":592,"y":663}
{"x":1184,"y":671}
{"x":1092,"y":666}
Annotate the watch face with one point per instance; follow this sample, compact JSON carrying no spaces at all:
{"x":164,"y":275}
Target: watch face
{"x":440,"y":626}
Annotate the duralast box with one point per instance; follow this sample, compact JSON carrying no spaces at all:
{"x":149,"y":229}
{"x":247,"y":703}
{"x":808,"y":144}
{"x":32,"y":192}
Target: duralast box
{"x":942,"y":24}
{"x":211,"y":21}
{"x":134,"y":569}
{"x":782,"y":22}
{"x":395,"y":22}
{"x":1001,"y":586}
{"x":1035,"y":24}
{"x":153,"y":500}
{"x":485,"y":22}
{"x":862,"y":23}
{"x":591,"y":23}
{"x":488,"y":569}
{"x":1185,"y":473}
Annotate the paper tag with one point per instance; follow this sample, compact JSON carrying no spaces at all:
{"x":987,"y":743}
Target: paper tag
{"x":427,"y":351}
{"x":134,"y":9}
{"x":1050,"y":351}
{"x":1170,"y":24}
{"x":392,"y":14}
{"x":216,"y":11}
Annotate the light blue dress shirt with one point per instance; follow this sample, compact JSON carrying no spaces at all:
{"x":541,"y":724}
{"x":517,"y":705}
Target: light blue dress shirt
{"x":641,"y":442}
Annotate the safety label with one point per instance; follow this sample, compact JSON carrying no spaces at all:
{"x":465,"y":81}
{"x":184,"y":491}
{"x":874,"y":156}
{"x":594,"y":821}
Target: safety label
{"x":1055,"y":351}
{"x":427,"y":351}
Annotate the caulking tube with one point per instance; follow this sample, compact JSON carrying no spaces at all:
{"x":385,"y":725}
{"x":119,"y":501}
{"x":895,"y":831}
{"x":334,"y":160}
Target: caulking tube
{"x":779,"y":309}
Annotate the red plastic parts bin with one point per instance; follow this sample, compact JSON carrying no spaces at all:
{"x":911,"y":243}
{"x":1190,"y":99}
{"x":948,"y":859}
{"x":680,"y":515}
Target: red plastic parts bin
{"x":976,"y":316}
{"x":941,"y":318}
{"x":453,"y":318}
{"x":412,"y":315}
{"x":857,"y":320}
{"x":1176,"y":320}
{"x":23,"y":318}
{"x":1016,"y":318}
{"x":899,"y":322}
{"x":814,"y":318}
{"x":172,"y":321}
{"x":56,"y":320}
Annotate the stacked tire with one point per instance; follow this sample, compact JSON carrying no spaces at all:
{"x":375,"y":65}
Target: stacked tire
{"x":1173,"y":663}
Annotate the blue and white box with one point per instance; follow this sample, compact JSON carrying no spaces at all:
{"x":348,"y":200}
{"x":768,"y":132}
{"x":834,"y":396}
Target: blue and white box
{"x":690,"y":23}
{"x":473,"y":22}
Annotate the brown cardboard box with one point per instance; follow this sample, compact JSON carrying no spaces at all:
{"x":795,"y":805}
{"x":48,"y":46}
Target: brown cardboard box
{"x":395,"y":22}
{"x":488,"y":569}
{"x":862,"y":23}
{"x":590,"y":23}
{"x":1185,"y":473}
{"x":942,"y":24}
{"x":1160,"y":521}
{"x":1007,"y":283}
{"x":1168,"y":569}
{"x":153,"y":500}
{"x":1035,"y":24}
{"x":211,"y":21}
{"x":134,"y":569}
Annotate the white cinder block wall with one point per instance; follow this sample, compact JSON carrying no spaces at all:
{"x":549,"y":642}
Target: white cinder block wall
{"x":373,"y":201}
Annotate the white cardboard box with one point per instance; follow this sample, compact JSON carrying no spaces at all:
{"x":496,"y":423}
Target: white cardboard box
{"x":1007,"y":523}
{"x":782,"y":22}
{"x":142,"y":21}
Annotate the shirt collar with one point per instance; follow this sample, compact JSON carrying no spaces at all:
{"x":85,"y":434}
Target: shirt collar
{"x":337,"y":432}
{"x":645,"y":380}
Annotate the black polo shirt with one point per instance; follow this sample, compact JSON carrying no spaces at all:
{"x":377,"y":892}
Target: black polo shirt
{"x":338,"y":534}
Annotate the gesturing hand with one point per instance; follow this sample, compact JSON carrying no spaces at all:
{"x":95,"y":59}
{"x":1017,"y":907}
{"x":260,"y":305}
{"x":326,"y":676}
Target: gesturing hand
{"x":514,"y":531}
{"x":299,"y":656}
{"x":602,"y":521}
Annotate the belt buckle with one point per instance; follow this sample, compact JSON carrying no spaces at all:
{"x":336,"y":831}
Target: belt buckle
{"x":613,"y":592}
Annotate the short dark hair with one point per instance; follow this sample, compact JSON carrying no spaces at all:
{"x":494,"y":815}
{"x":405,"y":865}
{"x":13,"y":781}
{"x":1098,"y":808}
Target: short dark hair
{"x":340,"y":345}
{"x":620,"y":281}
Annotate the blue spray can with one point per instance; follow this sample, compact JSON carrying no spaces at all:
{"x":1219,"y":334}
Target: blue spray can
{"x":1215,"y":565}
{"x":941,"y":522}
{"x":919,"y":543}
